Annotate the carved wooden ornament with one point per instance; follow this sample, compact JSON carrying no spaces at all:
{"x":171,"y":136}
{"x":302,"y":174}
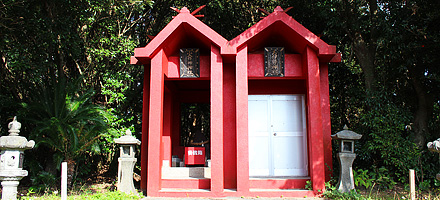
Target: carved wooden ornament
{"x":274,"y":61}
{"x":189,"y":63}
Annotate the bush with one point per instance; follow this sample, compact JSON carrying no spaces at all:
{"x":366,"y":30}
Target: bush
{"x":332,"y":192}
{"x":386,"y":145}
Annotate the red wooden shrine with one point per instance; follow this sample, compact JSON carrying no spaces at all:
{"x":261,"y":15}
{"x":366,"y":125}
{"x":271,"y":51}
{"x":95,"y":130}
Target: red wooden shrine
{"x":232,"y":76}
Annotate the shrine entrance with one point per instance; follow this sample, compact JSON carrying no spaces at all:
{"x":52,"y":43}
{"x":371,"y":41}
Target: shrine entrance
{"x":186,"y":140}
{"x":277,"y":136}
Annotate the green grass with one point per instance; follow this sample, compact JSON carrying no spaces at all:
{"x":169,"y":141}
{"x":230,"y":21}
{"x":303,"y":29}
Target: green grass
{"x":89,"y":196}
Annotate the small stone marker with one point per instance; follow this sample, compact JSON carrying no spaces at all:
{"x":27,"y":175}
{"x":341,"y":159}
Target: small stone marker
{"x":64,"y":181}
{"x":12,"y":155}
{"x":126,"y":162}
{"x":346,"y":157}
{"x":412,"y":184}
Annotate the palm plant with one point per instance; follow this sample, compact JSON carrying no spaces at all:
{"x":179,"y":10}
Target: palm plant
{"x":66,"y":121}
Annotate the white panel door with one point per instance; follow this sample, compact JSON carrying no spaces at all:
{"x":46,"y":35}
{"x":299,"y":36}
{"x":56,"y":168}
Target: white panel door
{"x":277,"y":135}
{"x":259,"y":132}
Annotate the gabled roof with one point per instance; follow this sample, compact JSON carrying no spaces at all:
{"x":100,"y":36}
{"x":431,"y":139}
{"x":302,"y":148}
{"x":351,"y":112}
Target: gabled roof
{"x":182,"y":26}
{"x":280,"y":25}
{"x":277,"y":26}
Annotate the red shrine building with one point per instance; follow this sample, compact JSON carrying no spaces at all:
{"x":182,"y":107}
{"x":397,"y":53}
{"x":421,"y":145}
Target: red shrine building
{"x":267,"y":96}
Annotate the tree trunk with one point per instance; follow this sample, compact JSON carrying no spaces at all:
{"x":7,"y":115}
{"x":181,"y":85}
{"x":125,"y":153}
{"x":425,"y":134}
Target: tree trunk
{"x":364,"y":42}
{"x":71,"y":164}
{"x":424,"y":108}
{"x":366,"y":57}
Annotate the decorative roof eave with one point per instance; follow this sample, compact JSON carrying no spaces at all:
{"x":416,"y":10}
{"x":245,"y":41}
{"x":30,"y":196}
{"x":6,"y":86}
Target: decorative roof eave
{"x":143,"y":55}
{"x":325,"y":51}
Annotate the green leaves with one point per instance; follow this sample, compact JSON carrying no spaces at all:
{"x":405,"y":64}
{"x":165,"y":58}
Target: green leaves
{"x":69,"y":123}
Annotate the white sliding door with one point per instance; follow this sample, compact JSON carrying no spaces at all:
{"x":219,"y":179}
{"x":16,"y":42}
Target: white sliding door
{"x":277,"y":135}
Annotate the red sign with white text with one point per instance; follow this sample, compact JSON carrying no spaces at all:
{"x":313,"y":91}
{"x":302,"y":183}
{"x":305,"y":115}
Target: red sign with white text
{"x":194,"y":155}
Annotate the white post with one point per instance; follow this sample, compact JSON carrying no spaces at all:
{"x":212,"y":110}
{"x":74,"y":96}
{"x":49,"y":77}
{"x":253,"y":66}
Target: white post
{"x":64,"y":181}
{"x":412,"y":184}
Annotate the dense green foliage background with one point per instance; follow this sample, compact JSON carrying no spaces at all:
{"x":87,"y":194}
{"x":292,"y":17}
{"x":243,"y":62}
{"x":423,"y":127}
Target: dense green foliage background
{"x":386,"y":88}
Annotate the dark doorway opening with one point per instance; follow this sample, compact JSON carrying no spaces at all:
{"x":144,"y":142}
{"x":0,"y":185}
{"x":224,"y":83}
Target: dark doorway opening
{"x":195,"y":126}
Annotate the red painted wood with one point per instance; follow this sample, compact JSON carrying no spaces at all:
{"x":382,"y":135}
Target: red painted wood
{"x":229,"y":128}
{"x":251,"y":194}
{"x":278,"y":183}
{"x":277,"y":86}
{"x":186,"y":183}
{"x":293,"y":66}
{"x":242,"y":120}
{"x":195,"y":155}
{"x":228,"y":74}
{"x":256,"y":65}
{"x":158,"y":63}
{"x":175,"y":30}
{"x":288,"y":31}
{"x":326,"y":122}
{"x":314,"y":118}
{"x":174,"y":67}
{"x":217,"y":175}
{"x":167,"y":126}
{"x":145,"y":119}
{"x":177,"y":148}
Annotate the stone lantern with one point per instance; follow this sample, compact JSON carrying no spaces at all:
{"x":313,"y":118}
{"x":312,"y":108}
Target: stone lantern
{"x":11,"y":161}
{"x":346,"y":157}
{"x":126,"y":162}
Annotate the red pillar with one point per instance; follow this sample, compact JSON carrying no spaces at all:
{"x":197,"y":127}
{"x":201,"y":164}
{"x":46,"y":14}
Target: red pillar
{"x":315,"y":136}
{"x":242,"y":120}
{"x":217,"y":178}
{"x":229,"y":128}
{"x":326,"y":122}
{"x":145,"y":119}
{"x":167,"y":117}
{"x":158,"y":63}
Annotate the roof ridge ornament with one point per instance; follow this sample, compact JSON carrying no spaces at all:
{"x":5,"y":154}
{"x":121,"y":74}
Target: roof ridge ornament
{"x":277,"y":9}
{"x":185,"y":10}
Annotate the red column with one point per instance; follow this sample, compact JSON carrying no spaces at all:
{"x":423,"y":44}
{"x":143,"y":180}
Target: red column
{"x":145,"y":119}
{"x":167,"y":117}
{"x":217,"y":177}
{"x":326,"y":122}
{"x":158,"y":63}
{"x":229,"y":127}
{"x":315,"y":136}
{"x":242,"y":120}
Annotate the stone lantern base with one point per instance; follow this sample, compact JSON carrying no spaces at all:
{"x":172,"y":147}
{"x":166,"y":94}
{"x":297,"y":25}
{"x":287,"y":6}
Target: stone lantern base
{"x":10,"y":180}
{"x":125,"y":175}
{"x":346,"y":179}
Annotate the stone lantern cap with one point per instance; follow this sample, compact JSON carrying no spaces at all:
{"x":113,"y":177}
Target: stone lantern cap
{"x":127,"y":139}
{"x":13,"y":140}
{"x":346,"y":135}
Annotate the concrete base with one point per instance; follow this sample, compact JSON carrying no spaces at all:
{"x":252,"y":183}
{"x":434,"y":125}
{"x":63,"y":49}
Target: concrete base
{"x":185,"y":172}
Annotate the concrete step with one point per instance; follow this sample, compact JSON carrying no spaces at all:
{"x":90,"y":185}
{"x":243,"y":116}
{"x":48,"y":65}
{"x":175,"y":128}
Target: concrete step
{"x":185,"y":172}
